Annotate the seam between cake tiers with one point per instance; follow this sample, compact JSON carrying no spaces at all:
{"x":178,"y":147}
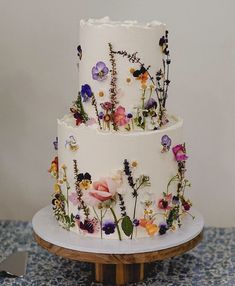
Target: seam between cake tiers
{"x":177,"y":124}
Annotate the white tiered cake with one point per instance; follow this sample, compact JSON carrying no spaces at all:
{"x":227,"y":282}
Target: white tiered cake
{"x":120,"y":170}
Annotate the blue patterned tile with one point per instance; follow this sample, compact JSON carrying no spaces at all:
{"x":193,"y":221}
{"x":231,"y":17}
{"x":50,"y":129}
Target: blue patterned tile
{"x":212,"y":262}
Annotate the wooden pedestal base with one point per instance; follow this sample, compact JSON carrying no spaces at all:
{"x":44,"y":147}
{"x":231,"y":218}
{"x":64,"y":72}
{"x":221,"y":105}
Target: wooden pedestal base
{"x":119,"y":274}
{"x":119,"y":269}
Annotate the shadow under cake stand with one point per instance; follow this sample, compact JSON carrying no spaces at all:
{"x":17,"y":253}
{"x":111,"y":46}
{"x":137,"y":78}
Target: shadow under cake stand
{"x":116,"y":262}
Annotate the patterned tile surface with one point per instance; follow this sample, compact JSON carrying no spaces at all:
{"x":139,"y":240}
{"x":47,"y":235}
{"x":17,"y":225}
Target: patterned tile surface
{"x":210,"y":263}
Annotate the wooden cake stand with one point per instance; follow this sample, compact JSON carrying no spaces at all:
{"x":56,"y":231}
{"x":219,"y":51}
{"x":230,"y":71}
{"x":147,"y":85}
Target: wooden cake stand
{"x":116,"y":263}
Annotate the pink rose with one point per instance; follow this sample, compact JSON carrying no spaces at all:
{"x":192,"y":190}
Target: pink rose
{"x":180,"y":153}
{"x":102,"y":191}
{"x":120,"y":116}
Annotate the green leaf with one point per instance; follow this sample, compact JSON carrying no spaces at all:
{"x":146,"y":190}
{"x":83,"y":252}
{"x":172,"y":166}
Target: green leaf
{"x":127,"y":226}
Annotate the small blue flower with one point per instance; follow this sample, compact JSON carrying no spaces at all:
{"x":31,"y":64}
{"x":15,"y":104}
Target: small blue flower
{"x":86,"y":92}
{"x":108,"y":227}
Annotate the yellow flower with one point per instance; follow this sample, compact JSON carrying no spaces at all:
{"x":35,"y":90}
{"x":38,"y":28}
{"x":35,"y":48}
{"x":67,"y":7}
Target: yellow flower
{"x":73,"y":147}
{"x":57,"y":203}
{"x":57,"y":188}
{"x":63,"y":166}
{"x":85,"y":184}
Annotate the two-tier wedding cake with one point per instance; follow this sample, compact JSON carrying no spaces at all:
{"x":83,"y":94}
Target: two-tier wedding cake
{"x":120,"y":168}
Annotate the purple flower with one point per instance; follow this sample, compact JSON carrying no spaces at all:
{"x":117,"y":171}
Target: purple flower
{"x":129,"y":115}
{"x":101,"y":115}
{"x":163,"y":227}
{"x":151,"y":103}
{"x":100,"y":71}
{"x":86,"y":92}
{"x":175,"y":200}
{"x":136,"y":222}
{"x":55,"y":143}
{"x":166,"y":141}
{"x":79,"y":50}
{"x":77,"y":216}
{"x":87,"y":225}
{"x":108,"y":227}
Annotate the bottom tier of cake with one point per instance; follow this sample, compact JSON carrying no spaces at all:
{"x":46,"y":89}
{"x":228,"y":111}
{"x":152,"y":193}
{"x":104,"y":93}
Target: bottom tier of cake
{"x":120,"y":185}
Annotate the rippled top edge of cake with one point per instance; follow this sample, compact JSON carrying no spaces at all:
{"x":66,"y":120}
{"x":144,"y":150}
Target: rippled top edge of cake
{"x":106,"y":21}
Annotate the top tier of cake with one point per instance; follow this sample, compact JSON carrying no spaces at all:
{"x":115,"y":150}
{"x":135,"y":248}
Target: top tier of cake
{"x":123,"y":74}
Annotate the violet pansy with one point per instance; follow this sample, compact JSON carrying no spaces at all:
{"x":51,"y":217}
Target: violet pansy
{"x":100,"y":71}
{"x":166,"y":143}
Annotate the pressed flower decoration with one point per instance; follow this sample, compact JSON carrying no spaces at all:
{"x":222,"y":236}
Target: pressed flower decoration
{"x":175,"y":205}
{"x":100,"y":71}
{"x":78,"y":111}
{"x":120,"y":117}
{"x":180,"y":152}
{"x":86,"y":92}
{"x":53,"y":170}
{"x":79,"y":52}
{"x":108,"y":227}
{"x":55,"y":143}
{"x":71,"y":144}
{"x":166,"y":143}
{"x":96,"y":199}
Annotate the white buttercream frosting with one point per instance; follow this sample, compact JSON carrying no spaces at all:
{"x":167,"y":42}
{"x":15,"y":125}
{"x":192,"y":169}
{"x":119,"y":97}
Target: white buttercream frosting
{"x":106,"y":21}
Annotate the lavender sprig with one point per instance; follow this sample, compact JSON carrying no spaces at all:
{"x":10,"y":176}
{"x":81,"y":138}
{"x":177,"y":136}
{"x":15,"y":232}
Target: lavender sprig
{"x":113,"y":83}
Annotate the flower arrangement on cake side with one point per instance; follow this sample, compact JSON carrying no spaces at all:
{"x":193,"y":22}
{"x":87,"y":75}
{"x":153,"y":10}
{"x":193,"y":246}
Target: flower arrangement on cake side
{"x":147,"y":114}
{"x":97,"y":201}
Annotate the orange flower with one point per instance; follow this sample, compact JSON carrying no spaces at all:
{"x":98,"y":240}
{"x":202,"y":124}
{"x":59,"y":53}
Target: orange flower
{"x":143,"y":222}
{"x":143,"y":77}
{"x":151,"y":228}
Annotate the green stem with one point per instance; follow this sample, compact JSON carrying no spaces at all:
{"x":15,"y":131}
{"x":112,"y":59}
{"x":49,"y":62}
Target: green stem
{"x":101,"y":222}
{"x":171,"y":180}
{"x":143,"y":98}
{"x":116,"y":222}
{"x":134,"y":212}
{"x":151,"y":92}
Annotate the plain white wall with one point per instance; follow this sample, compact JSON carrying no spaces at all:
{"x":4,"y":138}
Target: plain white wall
{"x":38,"y":82}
